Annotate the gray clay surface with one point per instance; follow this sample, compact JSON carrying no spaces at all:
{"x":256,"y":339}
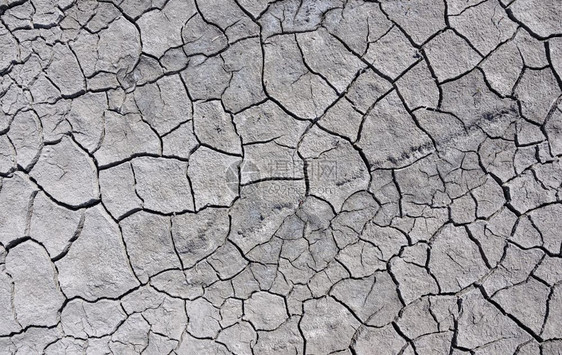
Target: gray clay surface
{"x":351,"y":177}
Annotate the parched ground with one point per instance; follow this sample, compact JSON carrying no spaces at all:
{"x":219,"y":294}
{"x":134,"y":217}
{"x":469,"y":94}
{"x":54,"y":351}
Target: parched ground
{"x":202,"y":177}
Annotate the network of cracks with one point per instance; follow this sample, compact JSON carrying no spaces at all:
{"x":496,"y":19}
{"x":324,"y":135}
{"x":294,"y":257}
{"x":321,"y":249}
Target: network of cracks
{"x":281,"y":177}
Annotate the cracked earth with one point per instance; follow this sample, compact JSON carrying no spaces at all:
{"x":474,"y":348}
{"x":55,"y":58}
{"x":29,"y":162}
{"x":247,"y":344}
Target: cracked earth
{"x":281,"y":177}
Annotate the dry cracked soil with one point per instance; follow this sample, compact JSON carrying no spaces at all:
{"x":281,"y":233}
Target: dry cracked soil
{"x":351,"y":177}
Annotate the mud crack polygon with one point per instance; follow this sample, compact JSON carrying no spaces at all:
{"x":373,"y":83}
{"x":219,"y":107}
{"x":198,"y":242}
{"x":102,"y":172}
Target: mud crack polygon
{"x":351,"y":177}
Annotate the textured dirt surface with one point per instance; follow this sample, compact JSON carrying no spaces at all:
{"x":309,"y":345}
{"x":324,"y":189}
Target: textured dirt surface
{"x":281,"y":177}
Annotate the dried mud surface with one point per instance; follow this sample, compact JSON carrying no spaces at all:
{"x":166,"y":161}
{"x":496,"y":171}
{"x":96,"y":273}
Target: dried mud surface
{"x":281,"y":177}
